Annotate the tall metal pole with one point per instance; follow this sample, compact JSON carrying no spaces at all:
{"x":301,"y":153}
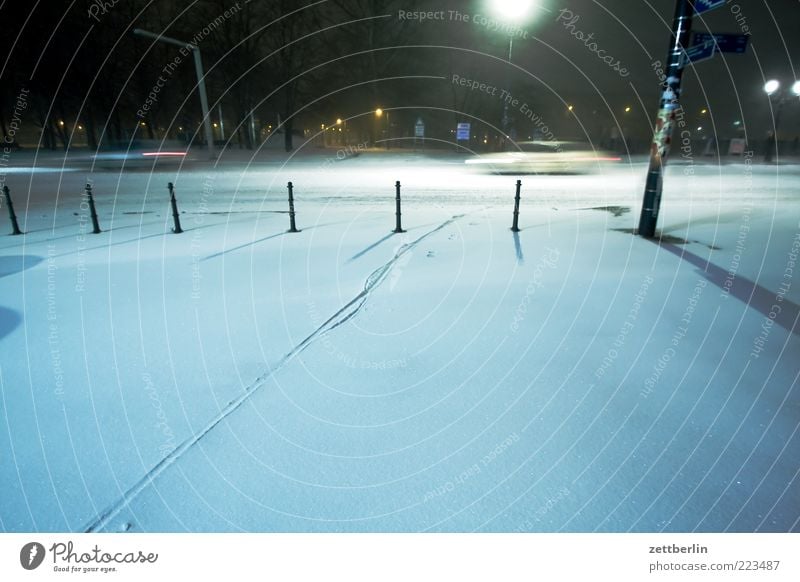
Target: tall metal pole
{"x":221,"y":123}
{"x":253,"y":128}
{"x":201,"y":83}
{"x":772,"y":141}
{"x":669,"y":104}
{"x":506,"y":117}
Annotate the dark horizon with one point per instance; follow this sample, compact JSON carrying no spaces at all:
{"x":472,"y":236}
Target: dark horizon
{"x":94,"y":83}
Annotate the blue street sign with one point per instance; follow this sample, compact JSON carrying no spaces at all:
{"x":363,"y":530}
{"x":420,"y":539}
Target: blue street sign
{"x":419,"y":128}
{"x":701,"y":6}
{"x":726,"y":43}
{"x":699,"y":52}
{"x":462,"y":132}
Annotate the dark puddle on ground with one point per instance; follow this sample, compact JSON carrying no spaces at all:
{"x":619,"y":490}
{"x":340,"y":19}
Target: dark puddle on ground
{"x":615,"y":210}
{"x":668,"y":238}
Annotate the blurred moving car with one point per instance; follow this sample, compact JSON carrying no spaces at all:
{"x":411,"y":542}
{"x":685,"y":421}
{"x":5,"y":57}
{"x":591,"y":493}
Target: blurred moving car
{"x":545,"y":157}
{"x":141,"y":153}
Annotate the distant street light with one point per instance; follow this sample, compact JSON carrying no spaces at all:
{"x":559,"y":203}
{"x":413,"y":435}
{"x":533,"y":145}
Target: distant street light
{"x":772,"y":88}
{"x":379,"y":113}
{"x":201,"y":84}
{"x":342,"y":129}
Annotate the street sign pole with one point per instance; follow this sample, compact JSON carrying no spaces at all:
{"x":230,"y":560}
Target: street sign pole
{"x":669,"y":103}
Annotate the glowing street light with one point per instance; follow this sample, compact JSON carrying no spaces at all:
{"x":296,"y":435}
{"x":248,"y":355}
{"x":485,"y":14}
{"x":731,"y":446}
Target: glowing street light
{"x":773,"y":88}
{"x":379,"y":113}
{"x":512,"y":11}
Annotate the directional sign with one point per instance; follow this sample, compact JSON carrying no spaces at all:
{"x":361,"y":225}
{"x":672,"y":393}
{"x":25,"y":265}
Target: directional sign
{"x":726,"y":43}
{"x":419,"y":128}
{"x":462,"y":132}
{"x":701,"y":6}
{"x":699,"y":52}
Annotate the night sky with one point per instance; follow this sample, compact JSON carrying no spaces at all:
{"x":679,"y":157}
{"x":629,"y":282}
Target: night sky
{"x":306,"y":64}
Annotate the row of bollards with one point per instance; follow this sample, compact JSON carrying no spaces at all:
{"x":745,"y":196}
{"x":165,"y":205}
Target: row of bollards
{"x":292,"y":219}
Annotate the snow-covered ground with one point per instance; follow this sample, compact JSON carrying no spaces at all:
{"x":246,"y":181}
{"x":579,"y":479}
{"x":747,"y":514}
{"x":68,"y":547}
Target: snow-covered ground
{"x":456,"y":377}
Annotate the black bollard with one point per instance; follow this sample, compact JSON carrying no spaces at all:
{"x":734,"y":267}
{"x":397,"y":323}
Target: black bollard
{"x":14,"y":224}
{"x":398,"y":228}
{"x":515,"y":226}
{"x":292,"y":225}
{"x":92,"y":210}
{"x":175,"y":216}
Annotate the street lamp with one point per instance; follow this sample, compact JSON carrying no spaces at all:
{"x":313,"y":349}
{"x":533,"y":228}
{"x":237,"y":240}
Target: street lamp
{"x":342,"y":130}
{"x":773,"y":88}
{"x":379,"y":113}
{"x":201,"y":84}
{"x":510,"y":12}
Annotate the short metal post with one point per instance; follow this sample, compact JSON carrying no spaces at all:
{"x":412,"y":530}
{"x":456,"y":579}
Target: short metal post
{"x":14,"y":224}
{"x":515,"y":226}
{"x":292,"y":225}
{"x":92,"y":210}
{"x":175,"y":216}
{"x":399,"y":226}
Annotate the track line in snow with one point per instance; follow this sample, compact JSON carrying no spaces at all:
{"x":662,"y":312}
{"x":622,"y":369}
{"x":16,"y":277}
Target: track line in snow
{"x":339,"y":318}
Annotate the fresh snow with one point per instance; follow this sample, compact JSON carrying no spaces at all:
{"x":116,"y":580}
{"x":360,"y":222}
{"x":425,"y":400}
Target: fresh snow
{"x":456,"y":377}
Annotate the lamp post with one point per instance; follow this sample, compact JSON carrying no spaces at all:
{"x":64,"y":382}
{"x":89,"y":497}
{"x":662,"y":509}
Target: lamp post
{"x":773,"y":87}
{"x":510,"y":12}
{"x":379,"y":114}
{"x":201,"y":84}
{"x":342,"y":124}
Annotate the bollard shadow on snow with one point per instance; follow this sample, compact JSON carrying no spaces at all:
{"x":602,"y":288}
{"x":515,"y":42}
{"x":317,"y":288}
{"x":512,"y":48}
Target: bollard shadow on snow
{"x":518,"y":248}
{"x":9,"y":320}
{"x":370,"y":247}
{"x":13,"y":264}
